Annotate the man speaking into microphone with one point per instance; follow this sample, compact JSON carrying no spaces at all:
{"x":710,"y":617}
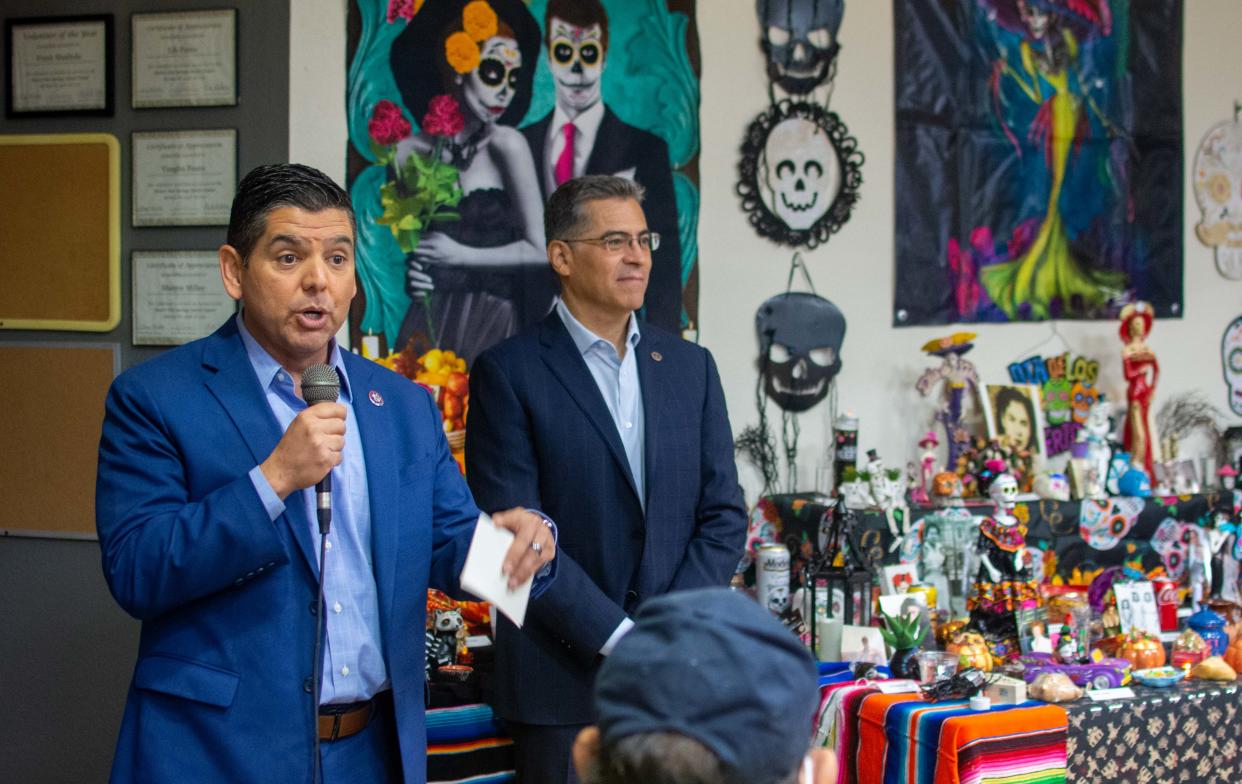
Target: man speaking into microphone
{"x":210,"y":530}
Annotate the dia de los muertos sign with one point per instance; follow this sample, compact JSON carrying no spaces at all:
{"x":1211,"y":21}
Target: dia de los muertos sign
{"x":1067,"y":385}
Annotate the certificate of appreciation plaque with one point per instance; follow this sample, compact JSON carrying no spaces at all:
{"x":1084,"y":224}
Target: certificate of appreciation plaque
{"x":184,"y":178}
{"x":185,"y":59}
{"x":178,"y":296}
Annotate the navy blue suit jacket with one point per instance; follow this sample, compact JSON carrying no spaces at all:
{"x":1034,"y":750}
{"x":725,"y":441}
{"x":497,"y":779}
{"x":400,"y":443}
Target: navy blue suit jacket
{"x":539,"y":435}
{"x":620,"y":147}
{"x":221,"y":689}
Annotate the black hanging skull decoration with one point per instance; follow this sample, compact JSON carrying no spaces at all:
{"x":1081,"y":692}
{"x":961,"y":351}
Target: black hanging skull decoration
{"x":799,"y":41}
{"x":800,"y":336}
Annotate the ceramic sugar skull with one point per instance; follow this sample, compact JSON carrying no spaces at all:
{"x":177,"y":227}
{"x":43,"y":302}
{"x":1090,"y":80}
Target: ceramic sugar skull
{"x":1218,"y":191}
{"x":799,"y":41}
{"x":1053,"y":486}
{"x":800,"y":337}
{"x":1057,"y":401}
{"x":1082,"y":398}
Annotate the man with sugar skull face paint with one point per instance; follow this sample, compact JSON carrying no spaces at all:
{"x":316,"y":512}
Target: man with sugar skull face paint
{"x":582,"y":135}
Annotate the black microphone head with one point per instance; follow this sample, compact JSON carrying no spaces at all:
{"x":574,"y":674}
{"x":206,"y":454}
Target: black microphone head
{"x":320,"y":384}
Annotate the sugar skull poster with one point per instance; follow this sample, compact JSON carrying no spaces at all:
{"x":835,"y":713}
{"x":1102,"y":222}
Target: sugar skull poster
{"x":1218,"y":192}
{"x":464,"y":115}
{"x":1039,"y":148}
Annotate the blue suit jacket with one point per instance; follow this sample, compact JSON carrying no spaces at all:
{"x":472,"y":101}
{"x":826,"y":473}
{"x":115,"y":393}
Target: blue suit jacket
{"x":222,"y":689}
{"x":540,"y":435}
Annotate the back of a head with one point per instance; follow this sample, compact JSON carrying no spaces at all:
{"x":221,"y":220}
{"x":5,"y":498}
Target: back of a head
{"x":271,"y":186}
{"x":707,"y":687}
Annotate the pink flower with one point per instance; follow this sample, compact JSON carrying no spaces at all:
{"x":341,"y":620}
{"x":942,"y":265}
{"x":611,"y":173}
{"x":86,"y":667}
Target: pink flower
{"x":387,"y":125}
{"x":402,"y":9}
{"x":443,"y":117}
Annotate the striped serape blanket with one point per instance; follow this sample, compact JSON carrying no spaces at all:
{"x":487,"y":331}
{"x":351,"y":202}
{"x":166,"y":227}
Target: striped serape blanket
{"x":466,"y":746}
{"x":903,"y":739}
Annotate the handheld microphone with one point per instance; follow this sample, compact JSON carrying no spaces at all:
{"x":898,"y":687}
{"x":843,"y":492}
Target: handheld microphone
{"x":321,"y":384}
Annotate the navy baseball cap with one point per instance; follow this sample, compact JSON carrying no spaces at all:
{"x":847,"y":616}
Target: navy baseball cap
{"x":713,"y":665}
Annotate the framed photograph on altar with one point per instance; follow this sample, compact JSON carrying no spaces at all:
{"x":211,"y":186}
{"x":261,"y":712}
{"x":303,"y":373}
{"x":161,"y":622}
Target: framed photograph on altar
{"x":184,"y":58}
{"x":1014,"y":417}
{"x":863,"y":644}
{"x":896,"y":578}
{"x":58,"y":66}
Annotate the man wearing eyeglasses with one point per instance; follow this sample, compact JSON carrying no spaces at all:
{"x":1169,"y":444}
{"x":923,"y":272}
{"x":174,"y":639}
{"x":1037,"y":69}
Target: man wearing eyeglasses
{"x":618,"y":431}
{"x":581,"y":135}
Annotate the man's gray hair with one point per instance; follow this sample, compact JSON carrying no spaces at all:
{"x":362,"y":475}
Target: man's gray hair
{"x":564,"y":218}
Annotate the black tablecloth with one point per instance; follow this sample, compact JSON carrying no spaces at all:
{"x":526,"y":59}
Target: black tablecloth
{"x":1191,"y":732}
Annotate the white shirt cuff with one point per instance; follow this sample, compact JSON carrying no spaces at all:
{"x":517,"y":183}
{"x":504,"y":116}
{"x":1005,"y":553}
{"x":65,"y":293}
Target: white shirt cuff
{"x":623,"y":627}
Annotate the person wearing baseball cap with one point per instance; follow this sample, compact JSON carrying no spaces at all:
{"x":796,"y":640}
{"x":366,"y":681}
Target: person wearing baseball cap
{"x":706,"y":688}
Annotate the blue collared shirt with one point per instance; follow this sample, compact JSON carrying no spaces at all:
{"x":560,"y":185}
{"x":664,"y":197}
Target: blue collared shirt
{"x":617,"y":379}
{"x":353,"y":658}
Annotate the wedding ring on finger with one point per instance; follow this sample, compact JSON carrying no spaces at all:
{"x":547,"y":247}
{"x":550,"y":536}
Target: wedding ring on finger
{"x":538,"y":548}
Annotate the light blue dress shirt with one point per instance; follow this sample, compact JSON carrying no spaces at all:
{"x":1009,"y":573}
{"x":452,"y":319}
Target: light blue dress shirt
{"x":617,"y":379}
{"x":353,"y":658}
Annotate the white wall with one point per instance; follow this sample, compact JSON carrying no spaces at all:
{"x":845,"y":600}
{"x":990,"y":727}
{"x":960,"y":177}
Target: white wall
{"x":738,"y":270}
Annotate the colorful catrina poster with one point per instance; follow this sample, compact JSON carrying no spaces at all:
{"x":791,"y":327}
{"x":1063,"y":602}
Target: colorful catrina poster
{"x":1039,"y":149}
{"x":465,"y":114}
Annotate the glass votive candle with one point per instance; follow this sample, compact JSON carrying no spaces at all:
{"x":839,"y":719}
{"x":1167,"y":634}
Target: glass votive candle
{"x":936,"y":665}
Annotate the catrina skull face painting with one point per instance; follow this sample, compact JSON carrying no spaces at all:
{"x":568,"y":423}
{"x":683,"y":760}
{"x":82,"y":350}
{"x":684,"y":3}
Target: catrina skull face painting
{"x":800,"y":336}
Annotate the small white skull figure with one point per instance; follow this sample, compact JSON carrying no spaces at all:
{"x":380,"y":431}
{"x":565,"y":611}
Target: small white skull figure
{"x":1218,"y":190}
{"x":1004,"y":493}
{"x":801,"y":174}
{"x":778,"y":599}
{"x":1231,"y":361}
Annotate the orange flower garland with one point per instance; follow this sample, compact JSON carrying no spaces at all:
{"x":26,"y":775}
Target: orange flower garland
{"x":461,"y":52}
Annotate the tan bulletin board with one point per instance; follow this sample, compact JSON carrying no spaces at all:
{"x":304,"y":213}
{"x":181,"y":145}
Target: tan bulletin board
{"x":60,"y":217}
{"x":53,"y":395}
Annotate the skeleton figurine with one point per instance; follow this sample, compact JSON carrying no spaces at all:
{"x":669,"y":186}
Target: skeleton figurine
{"x":800,"y":336}
{"x":1099,"y":450}
{"x":800,"y":42}
{"x":445,"y":639}
{"x":960,"y":381}
{"x":1003,"y":583}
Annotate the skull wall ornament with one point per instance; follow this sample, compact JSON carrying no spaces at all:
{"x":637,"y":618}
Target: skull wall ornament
{"x":1218,"y":191}
{"x":801,"y":174}
{"x":800,"y":336}
{"x":799,"y":41}
{"x":1231,"y":363}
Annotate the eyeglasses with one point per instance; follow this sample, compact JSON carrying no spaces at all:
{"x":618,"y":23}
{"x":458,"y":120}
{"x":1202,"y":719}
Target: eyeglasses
{"x":618,"y":241}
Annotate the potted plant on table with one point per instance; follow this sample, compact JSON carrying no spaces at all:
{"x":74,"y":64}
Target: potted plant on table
{"x":904,"y":635}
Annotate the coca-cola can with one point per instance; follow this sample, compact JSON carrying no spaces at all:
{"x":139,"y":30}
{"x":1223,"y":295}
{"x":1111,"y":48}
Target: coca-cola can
{"x":772,"y":577}
{"x":1166,"y":603}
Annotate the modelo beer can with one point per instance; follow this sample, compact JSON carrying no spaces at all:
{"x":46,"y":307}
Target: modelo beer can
{"x":845,"y":446}
{"x":772,"y":577}
{"x":1166,"y":603}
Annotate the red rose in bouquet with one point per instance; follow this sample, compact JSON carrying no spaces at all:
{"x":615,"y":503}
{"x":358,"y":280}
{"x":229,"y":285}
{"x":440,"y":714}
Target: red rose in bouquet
{"x":443,"y":117}
{"x":388,"y":125}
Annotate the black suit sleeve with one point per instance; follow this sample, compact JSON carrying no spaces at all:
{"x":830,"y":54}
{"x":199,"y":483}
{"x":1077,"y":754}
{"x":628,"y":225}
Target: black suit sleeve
{"x":720,"y":518}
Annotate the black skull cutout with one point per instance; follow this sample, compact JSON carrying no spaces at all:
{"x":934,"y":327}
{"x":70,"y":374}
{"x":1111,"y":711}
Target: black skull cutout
{"x":800,"y":336}
{"x":799,"y":41}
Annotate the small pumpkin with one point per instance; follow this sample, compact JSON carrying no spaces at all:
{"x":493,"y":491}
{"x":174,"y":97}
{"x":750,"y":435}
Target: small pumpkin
{"x":971,"y":650}
{"x":1233,"y":655}
{"x":1141,"y":649}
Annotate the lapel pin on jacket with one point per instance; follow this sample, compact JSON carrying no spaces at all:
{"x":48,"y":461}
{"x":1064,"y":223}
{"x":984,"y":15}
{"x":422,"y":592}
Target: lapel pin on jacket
{"x":375,"y":397}
{"x":657,"y":356}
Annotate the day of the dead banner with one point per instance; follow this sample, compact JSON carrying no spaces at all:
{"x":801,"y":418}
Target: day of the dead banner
{"x":465,"y":114}
{"x":1039,"y":159}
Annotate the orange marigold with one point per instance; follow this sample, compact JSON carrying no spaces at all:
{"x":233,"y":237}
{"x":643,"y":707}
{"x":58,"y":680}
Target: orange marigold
{"x":478,"y":20}
{"x":461,"y":52}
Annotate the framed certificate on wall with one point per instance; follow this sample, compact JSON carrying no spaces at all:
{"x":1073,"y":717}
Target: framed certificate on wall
{"x":184,"y":178}
{"x":184,"y":58}
{"x":58,"y":65}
